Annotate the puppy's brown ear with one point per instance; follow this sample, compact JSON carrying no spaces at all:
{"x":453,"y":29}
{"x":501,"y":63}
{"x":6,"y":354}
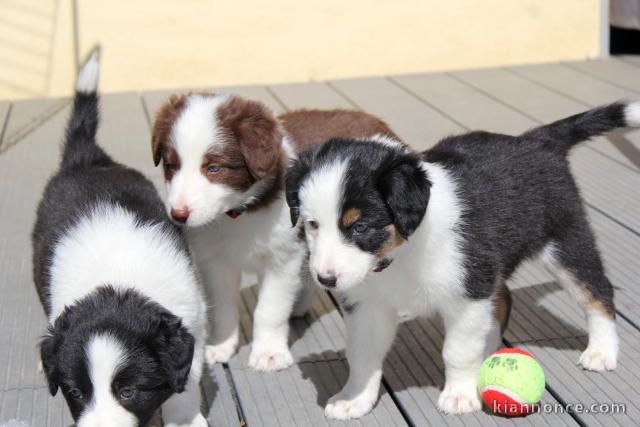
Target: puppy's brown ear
{"x":165,"y":119}
{"x":257,"y":132}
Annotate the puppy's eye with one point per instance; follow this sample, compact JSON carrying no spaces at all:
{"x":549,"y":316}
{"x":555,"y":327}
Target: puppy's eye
{"x":75,"y":394}
{"x":359,"y":228}
{"x":213,"y":169}
{"x":312,"y":224}
{"x":170,"y":166}
{"x":127,"y":393}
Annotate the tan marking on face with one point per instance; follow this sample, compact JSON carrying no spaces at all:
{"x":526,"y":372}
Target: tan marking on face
{"x":394,"y":240}
{"x":350,"y":217}
{"x":502,"y":305}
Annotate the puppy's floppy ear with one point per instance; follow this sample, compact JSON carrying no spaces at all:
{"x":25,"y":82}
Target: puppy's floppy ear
{"x":405,"y":187}
{"x":296,"y":172}
{"x":257,"y":132}
{"x":165,"y":119}
{"x":174,"y":346}
{"x":48,"y":358}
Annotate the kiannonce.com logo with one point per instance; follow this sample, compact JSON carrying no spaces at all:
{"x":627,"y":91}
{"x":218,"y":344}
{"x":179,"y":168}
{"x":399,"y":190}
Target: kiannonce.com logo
{"x":569,"y":408}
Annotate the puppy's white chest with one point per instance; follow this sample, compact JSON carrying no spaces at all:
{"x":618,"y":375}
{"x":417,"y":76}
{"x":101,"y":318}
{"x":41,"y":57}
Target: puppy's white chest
{"x":247,"y":242}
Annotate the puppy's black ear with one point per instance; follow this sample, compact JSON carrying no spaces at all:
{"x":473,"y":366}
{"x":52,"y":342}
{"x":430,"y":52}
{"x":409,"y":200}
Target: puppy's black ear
{"x":48,"y":358}
{"x":406,"y":188}
{"x":296,"y":172}
{"x":174,"y":346}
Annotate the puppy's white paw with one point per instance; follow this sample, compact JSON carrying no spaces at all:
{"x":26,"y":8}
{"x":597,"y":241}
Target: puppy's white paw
{"x":198,"y":421}
{"x":270,"y":358}
{"x":342,"y":408}
{"x":459,"y":398}
{"x":220,"y":353}
{"x":599,"y":358}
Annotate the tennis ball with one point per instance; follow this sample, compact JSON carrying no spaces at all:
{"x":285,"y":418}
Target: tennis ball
{"x":511,"y":382}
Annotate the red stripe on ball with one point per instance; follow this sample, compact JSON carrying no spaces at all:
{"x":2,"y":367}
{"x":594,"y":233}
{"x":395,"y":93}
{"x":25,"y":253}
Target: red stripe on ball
{"x":506,"y":405}
{"x":513,"y":351}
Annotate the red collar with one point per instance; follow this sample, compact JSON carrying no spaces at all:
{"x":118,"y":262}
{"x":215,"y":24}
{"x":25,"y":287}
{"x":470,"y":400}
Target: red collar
{"x":382,"y":264}
{"x":235,"y":212}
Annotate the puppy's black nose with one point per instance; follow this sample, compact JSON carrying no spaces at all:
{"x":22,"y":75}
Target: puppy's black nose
{"x":180,"y":215}
{"x":329,"y":280}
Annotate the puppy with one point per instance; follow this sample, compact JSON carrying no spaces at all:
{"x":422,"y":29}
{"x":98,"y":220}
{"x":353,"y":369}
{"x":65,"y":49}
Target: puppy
{"x":126,"y":314}
{"x":456,"y":223}
{"x":224,"y":160}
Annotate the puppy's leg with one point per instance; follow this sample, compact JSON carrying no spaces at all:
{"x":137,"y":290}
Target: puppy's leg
{"x":502,"y":310}
{"x":467,"y":327}
{"x":307,"y":293}
{"x":183,"y":409}
{"x":304,"y":300}
{"x":223,"y":285}
{"x":370,"y":332}
{"x":279,"y":289}
{"x":576,"y":264}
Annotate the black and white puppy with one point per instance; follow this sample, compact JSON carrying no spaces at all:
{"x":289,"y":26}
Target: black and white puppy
{"x":126,"y":314}
{"x":456,"y":222}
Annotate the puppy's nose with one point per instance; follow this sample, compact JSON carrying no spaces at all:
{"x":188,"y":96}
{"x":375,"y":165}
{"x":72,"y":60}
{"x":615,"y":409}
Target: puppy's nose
{"x":180,"y":215}
{"x":328,"y":280}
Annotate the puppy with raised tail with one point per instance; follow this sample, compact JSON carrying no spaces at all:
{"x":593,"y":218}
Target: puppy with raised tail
{"x":456,"y":222}
{"x":224,"y":160}
{"x":126,"y":313}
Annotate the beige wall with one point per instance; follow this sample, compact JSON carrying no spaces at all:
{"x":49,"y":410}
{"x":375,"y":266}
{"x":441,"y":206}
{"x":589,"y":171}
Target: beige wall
{"x":197,"y":43}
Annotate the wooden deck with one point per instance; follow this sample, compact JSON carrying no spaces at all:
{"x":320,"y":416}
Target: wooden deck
{"x":421,"y":109}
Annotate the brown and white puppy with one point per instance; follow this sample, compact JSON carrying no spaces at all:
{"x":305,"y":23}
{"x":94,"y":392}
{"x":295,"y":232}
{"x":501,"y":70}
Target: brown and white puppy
{"x":224,"y":160}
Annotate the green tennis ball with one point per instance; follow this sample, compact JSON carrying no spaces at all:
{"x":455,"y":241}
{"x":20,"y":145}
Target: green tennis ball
{"x":511,"y":382}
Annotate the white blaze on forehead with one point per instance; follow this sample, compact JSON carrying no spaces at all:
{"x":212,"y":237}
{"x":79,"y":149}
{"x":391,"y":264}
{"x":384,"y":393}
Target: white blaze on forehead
{"x":321,"y":193}
{"x":105,"y":355}
{"x":196,"y":129}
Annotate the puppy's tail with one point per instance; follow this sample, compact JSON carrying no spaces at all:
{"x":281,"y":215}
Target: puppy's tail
{"x":564,"y":134}
{"x":80,"y":147}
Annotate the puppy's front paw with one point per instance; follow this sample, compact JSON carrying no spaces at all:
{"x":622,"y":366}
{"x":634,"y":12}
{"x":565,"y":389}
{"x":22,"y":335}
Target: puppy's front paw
{"x":341,"y":408}
{"x":600,"y":358}
{"x":220,"y":353}
{"x":198,"y":421}
{"x":270,"y":358}
{"x":459,"y":398}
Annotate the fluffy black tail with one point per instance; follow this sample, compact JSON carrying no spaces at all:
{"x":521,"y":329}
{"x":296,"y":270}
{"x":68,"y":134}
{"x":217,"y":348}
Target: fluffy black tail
{"x":564,"y":134}
{"x":80,"y":147}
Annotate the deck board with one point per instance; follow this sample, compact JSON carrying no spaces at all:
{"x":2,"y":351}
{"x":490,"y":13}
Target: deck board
{"x":422,"y":109}
{"x":612,"y":70}
{"x":5,"y":108}
{"x":27,"y":115}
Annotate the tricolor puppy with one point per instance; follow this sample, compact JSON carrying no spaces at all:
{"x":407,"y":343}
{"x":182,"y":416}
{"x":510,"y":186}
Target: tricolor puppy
{"x":224,"y":160}
{"x":126,"y":313}
{"x":456,"y":223}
